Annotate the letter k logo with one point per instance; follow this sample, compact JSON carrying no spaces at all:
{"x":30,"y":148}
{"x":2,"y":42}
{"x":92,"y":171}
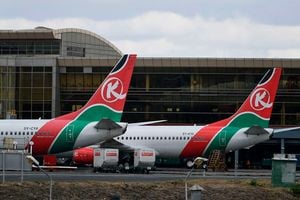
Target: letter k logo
{"x":112,"y":90}
{"x":260,"y":99}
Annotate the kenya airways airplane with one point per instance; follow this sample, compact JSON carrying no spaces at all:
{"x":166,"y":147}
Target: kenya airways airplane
{"x":245,"y":128}
{"x":96,"y":121}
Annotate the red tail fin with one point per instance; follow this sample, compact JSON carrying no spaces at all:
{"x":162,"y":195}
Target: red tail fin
{"x":261,"y":99}
{"x":111,"y":94}
{"x":113,"y":90}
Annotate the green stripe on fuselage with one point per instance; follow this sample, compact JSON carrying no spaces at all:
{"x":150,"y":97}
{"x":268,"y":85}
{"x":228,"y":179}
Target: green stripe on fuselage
{"x":245,"y":120}
{"x":67,"y":138}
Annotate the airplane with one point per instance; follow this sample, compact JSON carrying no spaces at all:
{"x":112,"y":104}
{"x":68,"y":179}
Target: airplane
{"x":246,"y":127}
{"x":98,"y":120}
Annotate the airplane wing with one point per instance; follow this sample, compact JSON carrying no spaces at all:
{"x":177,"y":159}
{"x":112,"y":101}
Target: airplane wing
{"x":280,"y":130}
{"x":146,"y":123}
{"x":288,"y":133}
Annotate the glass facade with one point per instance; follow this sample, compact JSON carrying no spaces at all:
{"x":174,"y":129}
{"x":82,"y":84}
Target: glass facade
{"x":29,"y":47}
{"x":80,"y":44}
{"x":77,"y":84}
{"x":25,"y":92}
{"x":203,"y":95}
{"x":27,"y":59}
{"x":185,"y":95}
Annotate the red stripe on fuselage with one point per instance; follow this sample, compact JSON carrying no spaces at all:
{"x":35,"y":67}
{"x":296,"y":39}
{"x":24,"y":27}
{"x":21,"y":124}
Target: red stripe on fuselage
{"x":45,"y":136}
{"x":198,"y":143}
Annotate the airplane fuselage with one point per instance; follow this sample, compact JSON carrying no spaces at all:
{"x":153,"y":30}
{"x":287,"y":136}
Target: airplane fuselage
{"x":49,"y":140}
{"x":179,"y":141}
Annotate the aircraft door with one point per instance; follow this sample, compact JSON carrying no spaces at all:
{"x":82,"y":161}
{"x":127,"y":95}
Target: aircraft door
{"x":70,"y":133}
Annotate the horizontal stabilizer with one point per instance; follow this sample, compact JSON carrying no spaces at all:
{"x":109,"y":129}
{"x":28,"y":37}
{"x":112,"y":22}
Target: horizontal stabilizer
{"x":107,"y":124}
{"x":256,"y":130}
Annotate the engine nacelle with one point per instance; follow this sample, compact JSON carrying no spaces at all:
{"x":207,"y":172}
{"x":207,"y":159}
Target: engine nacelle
{"x":83,"y":156}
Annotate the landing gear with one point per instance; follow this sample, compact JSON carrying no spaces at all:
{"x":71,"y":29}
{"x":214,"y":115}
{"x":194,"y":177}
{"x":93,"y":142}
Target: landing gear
{"x":189,"y":163}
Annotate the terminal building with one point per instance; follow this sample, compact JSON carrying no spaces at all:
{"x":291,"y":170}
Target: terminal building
{"x":46,"y":73}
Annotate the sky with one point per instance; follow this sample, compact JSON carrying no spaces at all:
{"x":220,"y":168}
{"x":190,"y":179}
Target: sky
{"x":171,"y":28}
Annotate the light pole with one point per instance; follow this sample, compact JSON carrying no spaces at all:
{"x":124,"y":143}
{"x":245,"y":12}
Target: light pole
{"x":197,"y":161}
{"x":35,"y":162}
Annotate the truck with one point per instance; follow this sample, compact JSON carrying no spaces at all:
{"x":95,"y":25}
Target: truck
{"x":105,"y":159}
{"x":144,"y":160}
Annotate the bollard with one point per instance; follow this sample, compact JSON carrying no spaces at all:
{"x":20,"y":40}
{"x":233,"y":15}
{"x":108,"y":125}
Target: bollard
{"x":196,"y":192}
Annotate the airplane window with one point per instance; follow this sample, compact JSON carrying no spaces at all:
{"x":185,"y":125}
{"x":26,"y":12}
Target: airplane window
{"x":145,"y":138}
{"x":126,"y":138}
{"x":165,"y":138}
{"x":183,"y":138}
{"x":122,"y":138}
{"x":31,"y":133}
{"x":16,"y":133}
{"x":180,"y":138}
{"x":137,"y":138}
{"x":6,"y":133}
{"x":153,"y":138}
{"x":156,"y":138}
{"x":176,"y":138}
{"x":118,"y":138}
{"x":11,"y":133}
{"x":173,"y":138}
{"x":169,"y":138}
{"x":130,"y":138}
{"x":149,"y":138}
{"x":19,"y":133}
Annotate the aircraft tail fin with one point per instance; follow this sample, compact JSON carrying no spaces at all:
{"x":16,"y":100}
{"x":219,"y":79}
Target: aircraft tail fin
{"x":253,"y":114}
{"x":257,"y":108}
{"x":109,"y":99}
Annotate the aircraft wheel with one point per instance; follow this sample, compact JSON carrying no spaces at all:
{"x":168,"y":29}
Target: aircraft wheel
{"x":189,"y":163}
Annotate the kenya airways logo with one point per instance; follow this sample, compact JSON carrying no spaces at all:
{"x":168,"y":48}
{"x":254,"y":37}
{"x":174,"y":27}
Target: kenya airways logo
{"x":260,"y":99}
{"x":112,"y":90}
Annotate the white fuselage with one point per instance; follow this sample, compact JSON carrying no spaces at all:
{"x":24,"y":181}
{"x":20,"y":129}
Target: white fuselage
{"x":21,"y":131}
{"x":18,"y":133}
{"x":169,"y":141}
